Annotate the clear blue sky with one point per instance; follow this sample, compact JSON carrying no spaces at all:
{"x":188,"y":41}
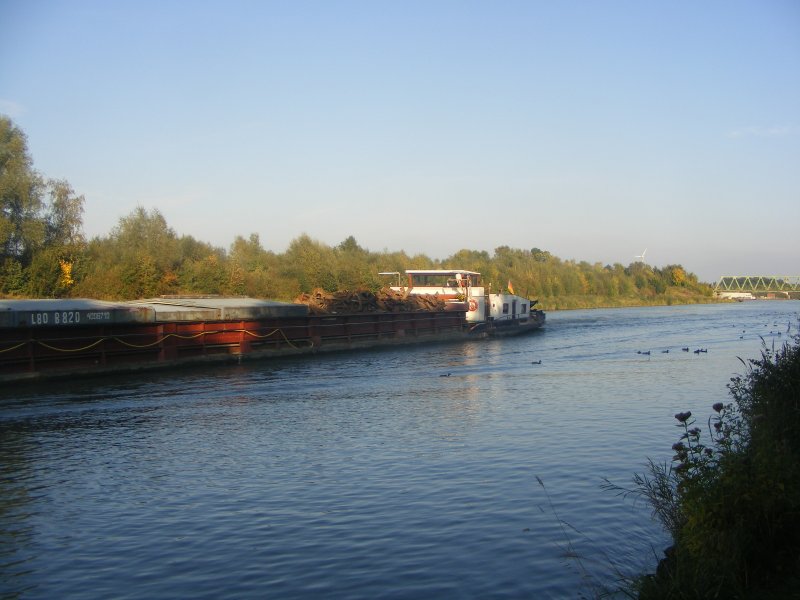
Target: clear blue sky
{"x":589,"y":129}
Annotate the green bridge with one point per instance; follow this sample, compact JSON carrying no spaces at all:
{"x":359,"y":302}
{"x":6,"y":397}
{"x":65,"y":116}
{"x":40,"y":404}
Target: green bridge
{"x":758,"y":283}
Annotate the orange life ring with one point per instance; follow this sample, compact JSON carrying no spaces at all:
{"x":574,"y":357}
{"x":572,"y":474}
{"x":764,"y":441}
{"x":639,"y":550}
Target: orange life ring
{"x":473,"y":304}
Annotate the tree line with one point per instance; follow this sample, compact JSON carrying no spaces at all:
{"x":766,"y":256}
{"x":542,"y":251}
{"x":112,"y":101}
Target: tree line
{"x":44,"y":254}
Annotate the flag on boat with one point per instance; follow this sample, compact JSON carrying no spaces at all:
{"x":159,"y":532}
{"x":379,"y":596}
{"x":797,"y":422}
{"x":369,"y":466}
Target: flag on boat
{"x":510,"y":287}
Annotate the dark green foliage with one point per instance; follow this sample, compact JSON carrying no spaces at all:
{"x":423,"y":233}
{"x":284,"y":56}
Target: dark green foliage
{"x":733,"y":505}
{"x":22,"y":228}
{"x":41,"y":223}
{"x":13,"y":278}
{"x":143,"y":257}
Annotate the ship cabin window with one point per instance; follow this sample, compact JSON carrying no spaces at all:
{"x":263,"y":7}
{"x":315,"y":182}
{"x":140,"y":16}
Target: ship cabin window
{"x":524,"y":309}
{"x":461,"y":281}
{"x":427,"y":281}
{"x":505,"y":308}
{"x":458,"y":281}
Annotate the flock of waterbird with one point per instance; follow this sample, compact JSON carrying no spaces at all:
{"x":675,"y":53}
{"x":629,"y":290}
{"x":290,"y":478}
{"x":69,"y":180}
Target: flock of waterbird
{"x":685,"y":348}
{"x":741,"y":337}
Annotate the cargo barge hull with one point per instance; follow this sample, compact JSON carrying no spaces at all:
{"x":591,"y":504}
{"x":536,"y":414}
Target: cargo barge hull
{"x":42,"y":339}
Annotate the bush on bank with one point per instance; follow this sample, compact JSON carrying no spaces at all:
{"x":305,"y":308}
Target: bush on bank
{"x":732,"y":503}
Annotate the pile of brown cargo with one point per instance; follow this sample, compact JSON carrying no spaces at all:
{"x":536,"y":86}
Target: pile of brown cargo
{"x":320,"y":302}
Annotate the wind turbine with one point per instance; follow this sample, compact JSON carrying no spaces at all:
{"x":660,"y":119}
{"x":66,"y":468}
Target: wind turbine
{"x":641,"y":256}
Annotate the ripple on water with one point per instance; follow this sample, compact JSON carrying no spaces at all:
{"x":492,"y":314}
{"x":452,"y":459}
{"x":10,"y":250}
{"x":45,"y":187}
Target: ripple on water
{"x":363,"y":475}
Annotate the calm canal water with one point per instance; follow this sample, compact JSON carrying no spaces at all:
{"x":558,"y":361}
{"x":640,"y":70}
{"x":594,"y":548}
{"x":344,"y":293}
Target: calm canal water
{"x":403,"y":473}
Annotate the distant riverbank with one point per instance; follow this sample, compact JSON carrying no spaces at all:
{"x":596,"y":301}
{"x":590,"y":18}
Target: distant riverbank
{"x":594,"y":301}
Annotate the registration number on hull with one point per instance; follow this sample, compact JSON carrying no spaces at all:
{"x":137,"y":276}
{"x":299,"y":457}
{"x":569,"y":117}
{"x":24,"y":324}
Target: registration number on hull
{"x":68,"y":317}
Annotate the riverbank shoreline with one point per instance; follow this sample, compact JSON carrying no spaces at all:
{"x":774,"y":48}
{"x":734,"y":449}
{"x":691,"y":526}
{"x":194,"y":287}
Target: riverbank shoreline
{"x":665,"y":304}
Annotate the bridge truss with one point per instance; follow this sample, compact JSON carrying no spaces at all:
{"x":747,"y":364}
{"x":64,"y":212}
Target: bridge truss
{"x":758,"y":283}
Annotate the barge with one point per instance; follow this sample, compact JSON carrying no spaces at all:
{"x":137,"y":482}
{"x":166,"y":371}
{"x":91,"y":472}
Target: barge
{"x":68,"y":338}
{"x":42,"y":339}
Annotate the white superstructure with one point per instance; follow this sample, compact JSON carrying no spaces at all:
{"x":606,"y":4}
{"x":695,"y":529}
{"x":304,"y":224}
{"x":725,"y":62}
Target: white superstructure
{"x":460,"y":286}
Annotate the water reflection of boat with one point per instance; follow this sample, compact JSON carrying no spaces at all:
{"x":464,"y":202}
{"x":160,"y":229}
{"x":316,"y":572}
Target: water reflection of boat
{"x":487,"y":313}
